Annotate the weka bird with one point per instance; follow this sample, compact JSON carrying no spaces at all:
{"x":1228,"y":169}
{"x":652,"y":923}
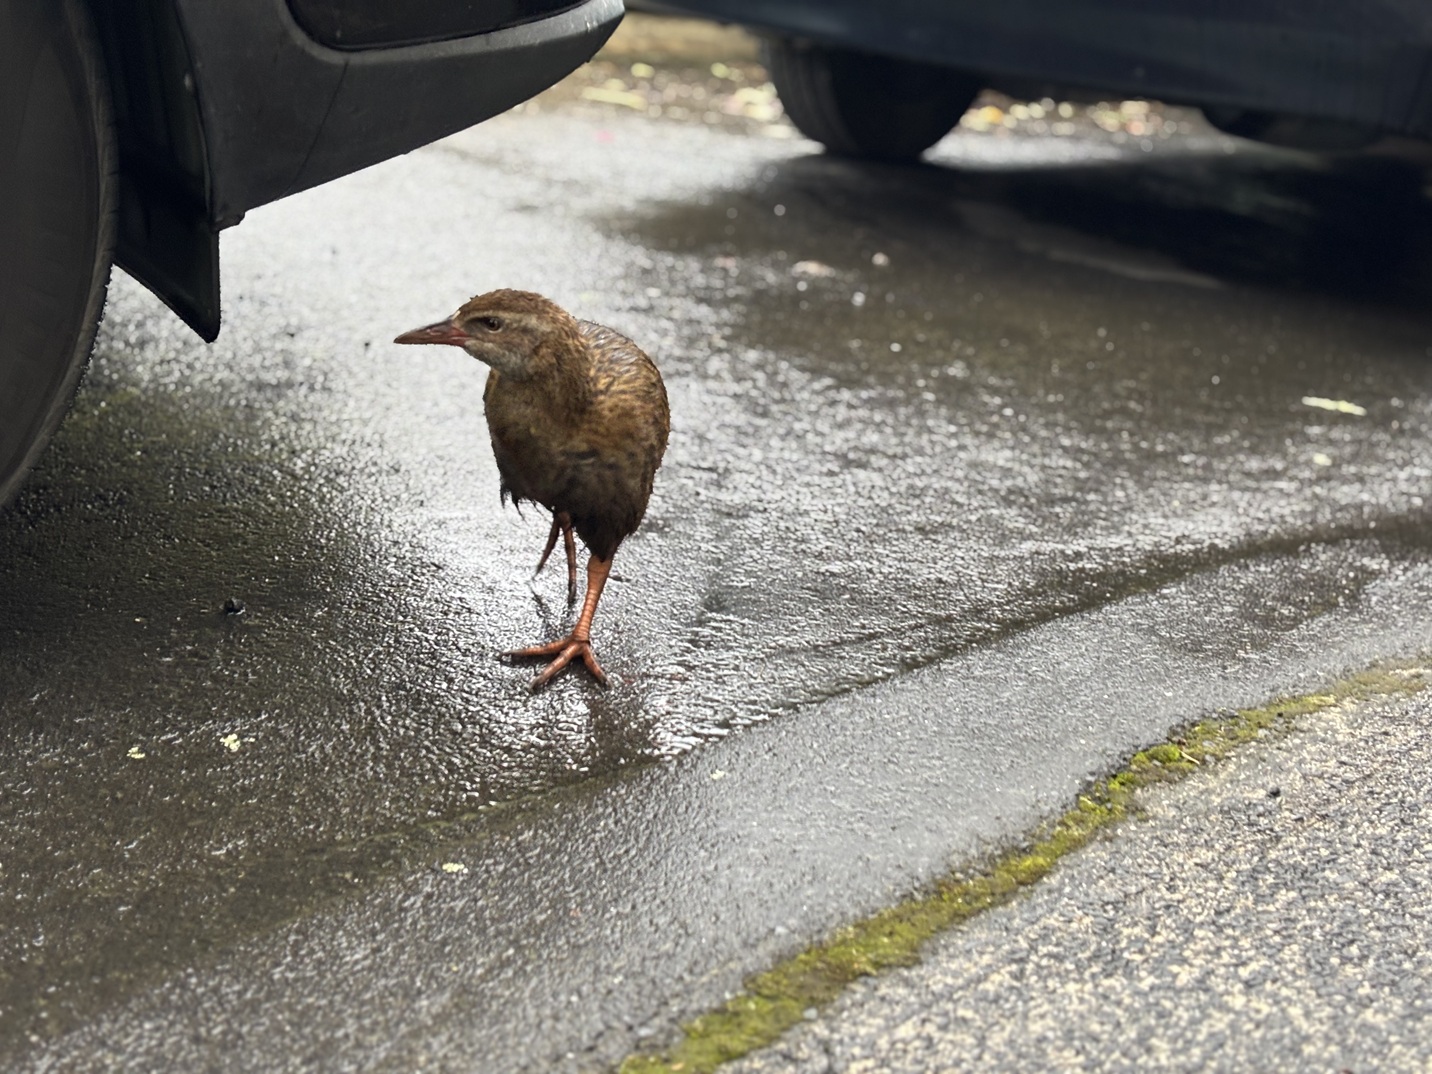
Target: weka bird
{"x":579,"y":422}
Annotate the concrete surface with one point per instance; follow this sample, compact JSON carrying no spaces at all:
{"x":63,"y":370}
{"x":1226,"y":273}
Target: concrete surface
{"x":1269,"y":915}
{"x":983,"y":474}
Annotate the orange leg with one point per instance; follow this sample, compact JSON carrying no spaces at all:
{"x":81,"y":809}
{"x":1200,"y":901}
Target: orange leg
{"x":571,"y":563}
{"x":562,"y":523}
{"x":579,"y":642}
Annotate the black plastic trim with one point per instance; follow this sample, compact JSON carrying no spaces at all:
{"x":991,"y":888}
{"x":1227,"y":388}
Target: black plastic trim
{"x":223,"y":107}
{"x":165,"y":237}
{"x":282,"y":113}
{"x":363,"y":24}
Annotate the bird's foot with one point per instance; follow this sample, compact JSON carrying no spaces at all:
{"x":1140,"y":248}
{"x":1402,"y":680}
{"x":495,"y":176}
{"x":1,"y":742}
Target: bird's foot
{"x":564,"y":651}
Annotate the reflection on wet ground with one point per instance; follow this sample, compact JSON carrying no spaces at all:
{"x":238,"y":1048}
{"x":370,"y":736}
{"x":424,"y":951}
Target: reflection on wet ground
{"x":916,"y":411}
{"x":981,"y":415}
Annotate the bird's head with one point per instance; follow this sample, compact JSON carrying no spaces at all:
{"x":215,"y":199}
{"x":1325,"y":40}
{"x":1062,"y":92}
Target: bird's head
{"x":517,"y":333}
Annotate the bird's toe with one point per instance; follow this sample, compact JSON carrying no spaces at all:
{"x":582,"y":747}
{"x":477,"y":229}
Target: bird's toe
{"x":551,"y":648}
{"x":548,"y":673}
{"x":563,"y":652}
{"x":590,"y":659}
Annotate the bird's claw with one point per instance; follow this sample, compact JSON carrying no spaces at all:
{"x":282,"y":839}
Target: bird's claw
{"x":564,"y":650}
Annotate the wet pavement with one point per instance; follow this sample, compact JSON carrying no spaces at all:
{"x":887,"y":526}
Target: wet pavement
{"x":983,"y":474}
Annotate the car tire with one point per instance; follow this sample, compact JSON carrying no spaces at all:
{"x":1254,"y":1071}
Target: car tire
{"x":864,"y":105}
{"x":57,"y":218}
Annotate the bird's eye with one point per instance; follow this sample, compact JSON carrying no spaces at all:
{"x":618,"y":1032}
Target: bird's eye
{"x":492,"y":324}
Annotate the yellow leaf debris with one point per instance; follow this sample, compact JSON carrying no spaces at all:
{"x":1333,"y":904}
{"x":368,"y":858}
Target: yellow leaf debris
{"x":1340,"y":406}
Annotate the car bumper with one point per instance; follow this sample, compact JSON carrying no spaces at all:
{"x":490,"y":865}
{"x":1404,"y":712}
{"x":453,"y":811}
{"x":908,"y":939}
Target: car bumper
{"x":280,"y":112}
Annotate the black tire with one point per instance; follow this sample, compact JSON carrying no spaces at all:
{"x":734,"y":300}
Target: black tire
{"x":57,"y":218}
{"x":864,"y":105}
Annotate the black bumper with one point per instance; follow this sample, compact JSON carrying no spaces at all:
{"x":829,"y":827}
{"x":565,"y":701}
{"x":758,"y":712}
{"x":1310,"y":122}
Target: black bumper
{"x":228,"y":106}
{"x":282,"y":113}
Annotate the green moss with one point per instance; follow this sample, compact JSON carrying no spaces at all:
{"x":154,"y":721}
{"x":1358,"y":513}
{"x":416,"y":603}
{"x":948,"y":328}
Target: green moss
{"x":774,"y":1001}
{"x":1164,"y":753}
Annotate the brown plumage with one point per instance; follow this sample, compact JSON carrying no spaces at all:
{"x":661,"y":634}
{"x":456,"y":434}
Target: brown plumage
{"x":579,"y":421}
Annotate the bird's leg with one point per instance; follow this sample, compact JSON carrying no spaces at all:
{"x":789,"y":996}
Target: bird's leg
{"x":571,"y":560}
{"x":579,"y":642}
{"x":562,"y":522}
{"x":551,"y":544}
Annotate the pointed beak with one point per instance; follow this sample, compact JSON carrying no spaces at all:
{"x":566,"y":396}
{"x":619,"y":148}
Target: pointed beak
{"x":442,"y":332}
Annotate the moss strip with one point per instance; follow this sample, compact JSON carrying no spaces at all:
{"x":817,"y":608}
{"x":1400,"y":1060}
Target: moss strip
{"x":774,"y":1001}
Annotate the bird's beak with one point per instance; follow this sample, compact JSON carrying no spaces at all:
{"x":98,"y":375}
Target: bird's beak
{"x":442,"y":332}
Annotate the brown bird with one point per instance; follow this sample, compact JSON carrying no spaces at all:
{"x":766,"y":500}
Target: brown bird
{"x":579,"y":421}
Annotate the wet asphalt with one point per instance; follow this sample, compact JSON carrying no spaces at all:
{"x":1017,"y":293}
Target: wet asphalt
{"x":983,"y":474}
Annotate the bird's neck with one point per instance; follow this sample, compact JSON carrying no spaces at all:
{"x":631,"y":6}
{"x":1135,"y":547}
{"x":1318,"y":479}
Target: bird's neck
{"x":567,"y":389}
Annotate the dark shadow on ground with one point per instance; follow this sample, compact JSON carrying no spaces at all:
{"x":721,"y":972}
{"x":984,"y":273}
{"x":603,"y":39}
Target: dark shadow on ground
{"x":1358,"y":228}
{"x":175,"y":776}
